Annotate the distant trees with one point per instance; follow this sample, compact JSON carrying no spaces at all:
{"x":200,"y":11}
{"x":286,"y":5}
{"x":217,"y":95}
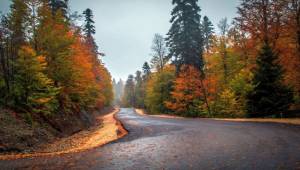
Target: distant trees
{"x":129,"y":92}
{"x":135,"y":87}
{"x":146,"y":71}
{"x":118,"y":91}
{"x":139,"y":90}
{"x":159,"y":52}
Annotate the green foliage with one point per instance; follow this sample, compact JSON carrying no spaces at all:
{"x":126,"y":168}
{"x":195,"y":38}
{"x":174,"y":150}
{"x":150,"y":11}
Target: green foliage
{"x":184,"y":39}
{"x":17,"y":19}
{"x":139,"y":90}
{"x":269,"y":95}
{"x":45,"y":63}
{"x":89,"y":28}
{"x":128,"y":99}
{"x":55,"y":44}
{"x":33,"y":88}
{"x":231,"y":101}
{"x":59,"y":6}
{"x":241,"y":84}
{"x":158,"y":90}
{"x":228,"y":105}
{"x":208,"y":31}
{"x":146,"y":71}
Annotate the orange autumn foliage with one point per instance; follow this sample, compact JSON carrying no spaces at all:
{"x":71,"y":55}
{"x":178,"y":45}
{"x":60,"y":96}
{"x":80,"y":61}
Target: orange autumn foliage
{"x":187,"y":93}
{"x":91,"y":81}
{"x":104,"y":85}
{"x":82,"y":65}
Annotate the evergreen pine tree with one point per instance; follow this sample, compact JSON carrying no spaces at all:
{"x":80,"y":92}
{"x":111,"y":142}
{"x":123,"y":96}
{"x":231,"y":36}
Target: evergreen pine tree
{"x":185,"y":36}
{"x":17,"y":23}
{"x":59,"y":5}
{"x":146,"y":70}
{"x":208,"y":31}
{"x":139,"y":91}
{"x":269,"y":95}
{"x":129,"y":92}
{"x":89,"y":29}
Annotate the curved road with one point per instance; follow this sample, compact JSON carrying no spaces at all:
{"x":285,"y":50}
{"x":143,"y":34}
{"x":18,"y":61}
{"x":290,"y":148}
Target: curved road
{"x":162,"y":143}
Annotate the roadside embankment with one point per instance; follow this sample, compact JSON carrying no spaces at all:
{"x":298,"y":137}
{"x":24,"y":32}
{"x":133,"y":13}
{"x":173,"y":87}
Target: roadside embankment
{"x":106,"y":129}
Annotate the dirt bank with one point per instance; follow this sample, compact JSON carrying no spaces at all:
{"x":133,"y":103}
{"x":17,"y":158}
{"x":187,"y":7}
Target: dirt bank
{"x":105,"y":130}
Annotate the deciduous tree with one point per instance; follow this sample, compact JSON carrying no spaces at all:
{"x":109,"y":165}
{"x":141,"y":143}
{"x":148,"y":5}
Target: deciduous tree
{"x":187,"y":96}
{"x":159,"y":52}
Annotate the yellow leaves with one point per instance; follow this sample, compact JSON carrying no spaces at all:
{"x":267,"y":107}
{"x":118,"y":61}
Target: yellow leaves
{"x":158,"y":89}
{"x":43,"y":100}
{"x":229,"y":105}
{"x":26,"y":51}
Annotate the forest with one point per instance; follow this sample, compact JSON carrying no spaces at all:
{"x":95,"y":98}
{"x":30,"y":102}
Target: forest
{"x":245,"y":68}
{"x":51,"y":71}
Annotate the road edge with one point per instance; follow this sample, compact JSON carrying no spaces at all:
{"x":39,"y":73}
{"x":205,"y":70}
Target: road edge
{"x":288,"y":121}
{"x":142,"y":112}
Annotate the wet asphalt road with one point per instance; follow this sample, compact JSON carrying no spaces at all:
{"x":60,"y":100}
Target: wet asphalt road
{"x":162,"y":143}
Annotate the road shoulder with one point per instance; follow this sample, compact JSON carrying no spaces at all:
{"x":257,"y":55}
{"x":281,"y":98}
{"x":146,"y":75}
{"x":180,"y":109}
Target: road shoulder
{"x":292,"y":121}
{"x":142,"y":112}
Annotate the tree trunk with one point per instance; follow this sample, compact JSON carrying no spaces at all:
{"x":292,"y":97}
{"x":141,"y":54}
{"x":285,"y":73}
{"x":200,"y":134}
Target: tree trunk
{"x":205,"y":97}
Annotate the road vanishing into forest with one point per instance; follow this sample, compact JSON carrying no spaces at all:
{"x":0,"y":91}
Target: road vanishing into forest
{"x":165,"y":143}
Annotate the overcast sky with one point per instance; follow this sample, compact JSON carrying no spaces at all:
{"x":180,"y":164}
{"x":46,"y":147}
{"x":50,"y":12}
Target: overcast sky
{"x":125,"y":28}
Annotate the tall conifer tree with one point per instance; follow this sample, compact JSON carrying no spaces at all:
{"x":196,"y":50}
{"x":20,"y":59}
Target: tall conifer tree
{"x":59,"y":5}
{"x":184,"y":39}
{"x":89,"y":28}
{"x":208,"y":31}
{"x":146,"y":70}
{"x":269,"y":95}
